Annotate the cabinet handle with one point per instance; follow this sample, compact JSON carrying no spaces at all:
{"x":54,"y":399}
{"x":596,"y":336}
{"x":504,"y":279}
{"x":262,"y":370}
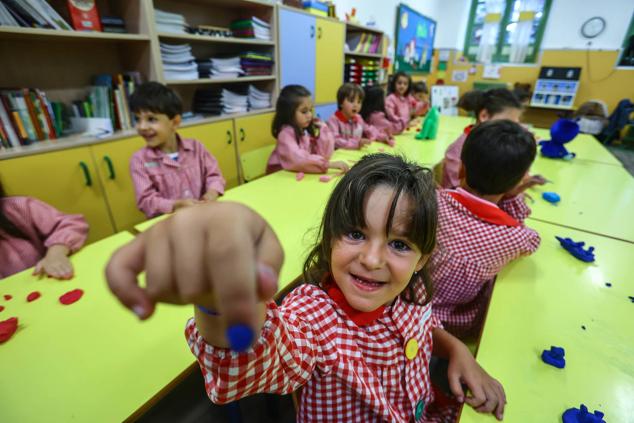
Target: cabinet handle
{"x":229,"y":137}
{"x":87,"y":177}
{"x":242,"y":134}
{"x":319,"y":33}
{"x":110,"y":167}
{"x":312,"y":31}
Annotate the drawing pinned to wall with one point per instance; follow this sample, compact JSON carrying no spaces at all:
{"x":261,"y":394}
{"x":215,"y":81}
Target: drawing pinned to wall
{"x":459,"y":76}
{"x":414,"y":41}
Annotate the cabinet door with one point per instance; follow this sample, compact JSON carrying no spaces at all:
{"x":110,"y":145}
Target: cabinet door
{"x":112,"y":160}
{"x":218,"y":138}
{"x":64,"y":179}
{"x":329,"y":65}
{"x":253,"y":132}
{"x":297,"y":49}
{"x":324,"y":111}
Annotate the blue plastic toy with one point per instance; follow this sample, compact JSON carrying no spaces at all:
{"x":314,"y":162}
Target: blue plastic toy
{"x":554,"y":357}
{"x":582,"y":415}
{"x":576,"y":249}
{"x":562,"y":131}
{"x":551,"y":197}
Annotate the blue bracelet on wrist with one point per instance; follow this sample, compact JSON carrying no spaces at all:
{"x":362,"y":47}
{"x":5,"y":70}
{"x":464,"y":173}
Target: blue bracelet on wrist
{"x":207,"y":311}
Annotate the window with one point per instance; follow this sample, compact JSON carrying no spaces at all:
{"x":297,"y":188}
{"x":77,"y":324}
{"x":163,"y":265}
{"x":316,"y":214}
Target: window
{"x":506,"y":31}
{"x":627,"y":54}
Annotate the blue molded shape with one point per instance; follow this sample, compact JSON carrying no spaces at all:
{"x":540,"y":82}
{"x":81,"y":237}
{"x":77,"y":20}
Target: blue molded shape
{"x":582,"y":415}
{"x":554,"y":357}
{"x":576,"y":249}
{"x":562,"y":131}
{"x":551,"y":197}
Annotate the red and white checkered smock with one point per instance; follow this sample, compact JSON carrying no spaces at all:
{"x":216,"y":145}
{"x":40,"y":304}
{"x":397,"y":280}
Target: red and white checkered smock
{"x":349,"y":372}
{"x":474,"y":242}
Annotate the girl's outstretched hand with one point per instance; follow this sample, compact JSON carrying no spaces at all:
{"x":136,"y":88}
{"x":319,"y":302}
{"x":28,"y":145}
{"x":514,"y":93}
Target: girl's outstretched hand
{"x":220,"y":255}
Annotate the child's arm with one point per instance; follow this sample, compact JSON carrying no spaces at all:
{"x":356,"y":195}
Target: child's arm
{"x":487,"y":394}
{"x":373,"y":134}
{"x":391,"y":110}
{"x":148,"y":199}
{"x":213,"y":181}
{"x":296,"y":159}
{"x":62,"y":234}
{"x":419,"y":108}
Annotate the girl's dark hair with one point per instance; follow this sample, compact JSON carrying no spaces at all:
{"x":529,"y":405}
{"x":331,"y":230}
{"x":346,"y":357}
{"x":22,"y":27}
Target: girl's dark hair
{"x":345,"y":213}
{"x":7,"y":227}
{"x":496,"y":156}
{"x":374,"y":101}
{"x":395,"y":77}
{"x":349,"y":91}
{"x":288,"y":101}
{"x":420,"y":87}
{"x":494,"y":101}
{"x":156,"y":98}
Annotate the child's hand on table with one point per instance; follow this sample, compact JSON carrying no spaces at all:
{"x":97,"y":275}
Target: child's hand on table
{"x":210,"y":195}
{"x":342,"y":166}
{"x":55,"y":263}
{"x":185,"y":202}
{"x":363,"y":142}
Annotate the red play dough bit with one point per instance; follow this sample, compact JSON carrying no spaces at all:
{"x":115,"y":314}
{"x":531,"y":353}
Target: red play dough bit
{"x":299,"y":176}
{"x":1,"y":308}
{"x":71,"y":296}
{"x":33,"y":296}
{"x":7,"y":297}
{"x":324,"y":178}
{"x":8,"y":328}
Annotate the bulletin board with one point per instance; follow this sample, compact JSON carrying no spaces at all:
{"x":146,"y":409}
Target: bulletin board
{"x":414,"y":41}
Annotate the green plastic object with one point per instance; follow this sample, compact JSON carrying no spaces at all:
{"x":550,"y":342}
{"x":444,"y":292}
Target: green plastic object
{"x":430,"y":126}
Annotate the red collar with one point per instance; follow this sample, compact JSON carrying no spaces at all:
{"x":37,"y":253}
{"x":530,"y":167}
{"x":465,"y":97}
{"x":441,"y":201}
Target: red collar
{"x":468,"y":129}
{"x":360,"y":318}
{"x":344,"y":119}
{"x":490,"y":214}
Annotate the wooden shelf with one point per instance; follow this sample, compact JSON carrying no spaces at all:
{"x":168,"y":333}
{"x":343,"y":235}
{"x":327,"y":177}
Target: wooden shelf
{"x":208,"y":39}
{"x":10,"y":32}
{"x":221,"y":81}
{"x":212,"y":119}
{"x":368,"y":55}
{"x":357,"y":27}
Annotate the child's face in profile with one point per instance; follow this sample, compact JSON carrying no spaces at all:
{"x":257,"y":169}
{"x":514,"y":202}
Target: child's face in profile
{"x":157,"y":129}
{"x":401,"y":85}
{"x":370,"y":267}
{"x":351,"y":108}
{"x":304,"y":113}
{"x":421,"y":96}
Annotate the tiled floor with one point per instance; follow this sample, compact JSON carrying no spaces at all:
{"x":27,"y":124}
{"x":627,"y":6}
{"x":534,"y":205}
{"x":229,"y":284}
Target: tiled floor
{"x":625,"y":155}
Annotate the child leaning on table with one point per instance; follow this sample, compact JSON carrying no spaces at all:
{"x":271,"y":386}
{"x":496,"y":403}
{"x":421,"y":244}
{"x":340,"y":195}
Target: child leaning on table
{"x":357,"y":336}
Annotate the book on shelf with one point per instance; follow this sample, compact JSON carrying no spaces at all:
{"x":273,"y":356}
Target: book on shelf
{"x":31,"y":13}
{"x":84,"y":15}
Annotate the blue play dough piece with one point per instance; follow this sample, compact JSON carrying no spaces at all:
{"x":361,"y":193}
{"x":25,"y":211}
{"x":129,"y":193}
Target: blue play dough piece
{"x":576,"y":249}
{"x":551,"y":197}
{"x":562,"y":131}
{"x":240,"y":337}
{"x":582,"y":415}
{"x":554,"y":357}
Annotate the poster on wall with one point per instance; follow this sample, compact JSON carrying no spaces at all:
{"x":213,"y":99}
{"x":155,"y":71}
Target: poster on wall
{"x":414,"y":41}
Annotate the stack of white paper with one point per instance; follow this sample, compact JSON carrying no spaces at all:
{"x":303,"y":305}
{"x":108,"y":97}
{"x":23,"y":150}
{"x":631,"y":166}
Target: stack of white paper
{"x":178,"y":62}
{"x":225,"y":67}
{"x":233,"y":102}
{"x":261,"y":29}
{"x":258,"y":99}
{"x":170,"y":22}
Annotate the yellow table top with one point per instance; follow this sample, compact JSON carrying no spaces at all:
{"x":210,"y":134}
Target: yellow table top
{"x":595,"y":197}
{"x":544,"y":300}
{"x":84,"y":362}
{"x":586,"y":148}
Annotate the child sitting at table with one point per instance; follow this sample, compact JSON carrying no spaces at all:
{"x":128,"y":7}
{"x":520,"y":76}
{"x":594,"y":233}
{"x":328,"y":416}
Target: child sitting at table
{"x":400,"y":105}
{"x":33,"y":233}
{"x":357,"y":335}
{"x":349,"y":128}
{"x":304,"y":143}
{"x":170,"y":172}
{"x":481,"y":223}
{"x":373,"y":112}
{"x":419,"y":99}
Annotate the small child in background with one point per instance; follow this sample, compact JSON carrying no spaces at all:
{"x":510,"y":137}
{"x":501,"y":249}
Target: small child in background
{"x":304,"y":143}
{"x":373,"y":112}
{"x":481,"y":223}
{"x":170,"y":172}
{"x":400,"y":105}
{"x":419,"y":99}
{"x":348,"y":127}
{"x":496,"y":103}
{"x":357,"y":335}
{"x":33,"y":233}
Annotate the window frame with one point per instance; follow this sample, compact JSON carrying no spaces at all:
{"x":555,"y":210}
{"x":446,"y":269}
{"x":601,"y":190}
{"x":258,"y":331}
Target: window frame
{"x":498,"y":57}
